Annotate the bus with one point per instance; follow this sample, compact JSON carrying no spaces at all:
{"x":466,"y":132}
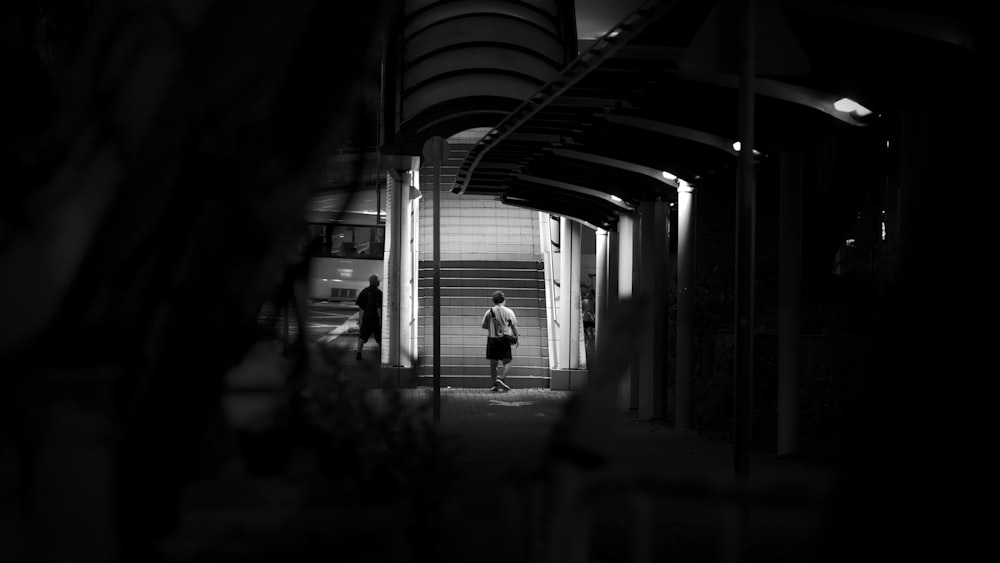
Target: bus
{"x":345,"y":219}
{"x":342,"y":257}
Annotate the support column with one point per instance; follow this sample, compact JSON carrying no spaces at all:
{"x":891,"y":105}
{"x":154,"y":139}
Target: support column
{"x":745,"y":251}
{"x":413,"y":266}
{"x":398,"y":279}
{"x":610,"y":303}
{"x":914,"y":154}
{"x":549,"y":243}
{"x":653,"y":251}
{"x":683,"y":401}
{"x":563,"y":309}
{"x":628,"y":398}
{"x":569,"y":294}
{"x":600,"y":283}
{"x":392,"y":313}
{"x":789,"y":300}
{"x":576,"y":231}
{"x":435,"y":151}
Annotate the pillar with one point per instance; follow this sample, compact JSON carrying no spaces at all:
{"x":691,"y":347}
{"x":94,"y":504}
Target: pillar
{"x":413,"y":267}
{"x":789,"y":300}
{"x":686,"y":276}
{"x":628,"y":392}
{"x":601,"y":282}
{"x":569,"y":294}
{"x":653,"y":253}
{"x":392,"y":317}
{"x":914,"y":145}
{"x":407,"y":279}
{"x":575,"y":338}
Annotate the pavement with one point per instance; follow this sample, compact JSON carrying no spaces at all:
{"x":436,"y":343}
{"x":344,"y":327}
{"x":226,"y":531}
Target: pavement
{"x":483,"y":482}
{"x":660,"y":492}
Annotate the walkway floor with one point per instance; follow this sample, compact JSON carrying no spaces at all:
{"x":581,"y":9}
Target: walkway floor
{"x":674,"y":484}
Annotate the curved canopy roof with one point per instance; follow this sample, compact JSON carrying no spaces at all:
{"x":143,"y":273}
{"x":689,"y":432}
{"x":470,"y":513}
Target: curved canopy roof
{"x":659,"y":92}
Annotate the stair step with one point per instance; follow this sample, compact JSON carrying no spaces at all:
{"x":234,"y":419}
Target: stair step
{"x":525,"y":344}
{"x":457,"y":273}
{"x":504,"y":284}
{"x":467,"y":306}
{"x":483,"y":370}
{"x":478,"y":358}
{"x":465,"y":295}
{"x":465,"y":321}
{"x":474,"y":328}
{"x":464,"y":290}
{"x":486,"y":264}
{"x":484,"y":381}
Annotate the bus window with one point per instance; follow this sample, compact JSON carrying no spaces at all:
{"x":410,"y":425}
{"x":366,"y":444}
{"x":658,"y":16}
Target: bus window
{"x":342,"y":256}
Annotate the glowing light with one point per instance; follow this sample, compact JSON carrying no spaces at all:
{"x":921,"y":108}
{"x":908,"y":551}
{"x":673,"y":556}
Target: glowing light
{"x":616,"y":198}
{"x":668,"y":175}
{"x":848,"y":105}
{"x":737,"y":145}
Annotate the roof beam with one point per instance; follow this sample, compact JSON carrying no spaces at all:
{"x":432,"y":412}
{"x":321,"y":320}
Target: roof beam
{"x":694,"y":135}
{"x":616,"y":201}
{"x":517,"y":201}
{"x":937,"y":27}
{"x":815,"y":99}
{"x":615,"y":163}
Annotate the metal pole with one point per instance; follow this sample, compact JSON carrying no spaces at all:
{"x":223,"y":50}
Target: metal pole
{"x":434,"y":150}
{"x":437,"y":290}
{"x":789,"y":300}
{"x":745,"y":239}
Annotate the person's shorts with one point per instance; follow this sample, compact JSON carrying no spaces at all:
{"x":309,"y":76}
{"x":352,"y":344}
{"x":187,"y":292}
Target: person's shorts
{"x":370,"y":328}
{"x":498,"y":349}
{"x":588,"y":324}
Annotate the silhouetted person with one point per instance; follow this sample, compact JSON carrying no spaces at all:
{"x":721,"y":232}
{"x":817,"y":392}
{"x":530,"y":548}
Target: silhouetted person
{"x":500,"y":321}
{"x":587,"y":306}
{"x":370,"y":321}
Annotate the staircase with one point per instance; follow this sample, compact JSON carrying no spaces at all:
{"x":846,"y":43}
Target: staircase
{"x":466,"y":293}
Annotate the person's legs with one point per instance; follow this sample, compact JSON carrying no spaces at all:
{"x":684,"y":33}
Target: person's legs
{"x":493,"y":373}
{"x":503,"y":375}
{"x":361,"y":344}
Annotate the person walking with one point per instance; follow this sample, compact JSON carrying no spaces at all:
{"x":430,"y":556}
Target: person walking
{"x":370,"y":321}
{"x":587,"y":306}
{"x":501,"y":323}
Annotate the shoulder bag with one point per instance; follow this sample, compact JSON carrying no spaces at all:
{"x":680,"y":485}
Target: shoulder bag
{"x":501,"y":330}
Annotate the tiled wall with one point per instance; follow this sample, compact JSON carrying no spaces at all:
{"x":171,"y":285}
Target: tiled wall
{"x":478,"y":228}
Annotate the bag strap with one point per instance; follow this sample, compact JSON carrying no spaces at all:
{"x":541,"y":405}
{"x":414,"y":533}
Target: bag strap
{"x":497,"y":325}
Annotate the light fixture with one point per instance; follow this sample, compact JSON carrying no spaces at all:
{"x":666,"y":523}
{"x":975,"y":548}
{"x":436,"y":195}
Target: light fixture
{"x":668,"y":175}
{"x":615,"y":198}
{"x":848,"y":105}
{"x":737,"y":145}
